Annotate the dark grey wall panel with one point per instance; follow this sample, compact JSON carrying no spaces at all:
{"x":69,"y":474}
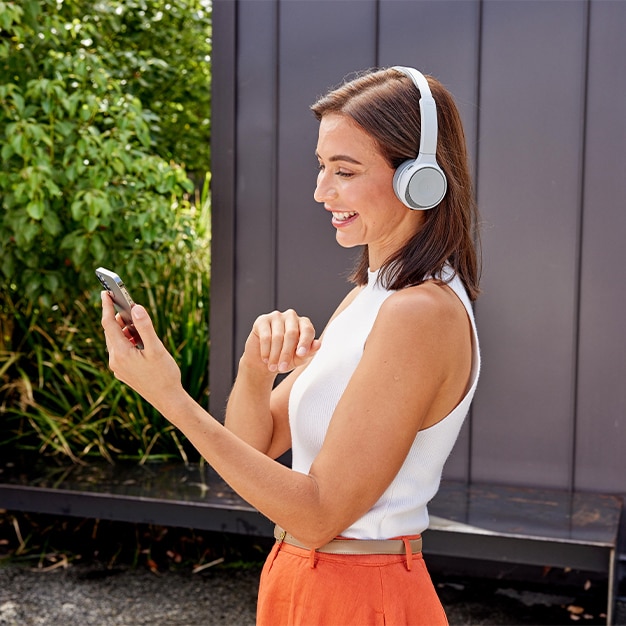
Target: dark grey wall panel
{"x":439,"y":38}
{"x":529,"y":182}
{"x":549,"y":161}
{"x":311,"y":266}
{"x":223,"y":93}
{"x":442,"y":39}
{"x":255,"y":238}
{"x":601,"y":434}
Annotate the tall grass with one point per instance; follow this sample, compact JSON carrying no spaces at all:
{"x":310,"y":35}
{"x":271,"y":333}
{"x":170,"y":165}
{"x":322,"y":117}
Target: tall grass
{"x":57,"y":395}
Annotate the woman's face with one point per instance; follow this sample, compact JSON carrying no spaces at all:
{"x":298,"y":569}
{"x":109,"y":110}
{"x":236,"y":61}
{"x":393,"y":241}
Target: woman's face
{"x":355,"y":185}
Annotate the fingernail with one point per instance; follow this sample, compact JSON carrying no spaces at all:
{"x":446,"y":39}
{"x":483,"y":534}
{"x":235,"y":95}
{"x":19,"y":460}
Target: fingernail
{"x":301,"y":351}
{"x":283,"y":366}
{"x":273,"y":367}
{"x":138,"y":311}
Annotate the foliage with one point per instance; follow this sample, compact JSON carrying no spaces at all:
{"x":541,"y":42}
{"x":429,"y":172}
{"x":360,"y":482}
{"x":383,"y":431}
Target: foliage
{"x":162,"y":52}
{"x":87,"y":177}
{"x":59,"y":398}
{"x":101,"y":106}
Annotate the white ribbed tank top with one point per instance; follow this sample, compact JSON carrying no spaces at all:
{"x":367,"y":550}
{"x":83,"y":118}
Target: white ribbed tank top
{"x":401,"y":510}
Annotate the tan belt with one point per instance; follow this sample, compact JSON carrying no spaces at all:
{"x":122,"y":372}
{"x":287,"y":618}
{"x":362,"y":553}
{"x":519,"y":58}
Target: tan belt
{"x":355,"y":546}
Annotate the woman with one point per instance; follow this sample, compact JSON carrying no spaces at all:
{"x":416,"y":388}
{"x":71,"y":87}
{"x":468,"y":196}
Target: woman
{"x":370,"y":410}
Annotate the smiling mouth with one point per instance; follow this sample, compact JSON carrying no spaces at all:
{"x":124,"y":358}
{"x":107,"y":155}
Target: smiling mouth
{"x":343,"y":216}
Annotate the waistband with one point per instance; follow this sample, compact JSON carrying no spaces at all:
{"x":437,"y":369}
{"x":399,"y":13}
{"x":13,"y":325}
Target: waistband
{"x":356,"y":546}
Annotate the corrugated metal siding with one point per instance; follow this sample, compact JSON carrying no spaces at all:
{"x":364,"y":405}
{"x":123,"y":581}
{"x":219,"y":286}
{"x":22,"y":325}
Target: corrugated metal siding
{"x":542,"y":91}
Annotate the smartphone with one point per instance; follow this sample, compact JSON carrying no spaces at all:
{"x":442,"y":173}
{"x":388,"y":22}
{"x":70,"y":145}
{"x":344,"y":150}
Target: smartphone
{"x":121,"y":299}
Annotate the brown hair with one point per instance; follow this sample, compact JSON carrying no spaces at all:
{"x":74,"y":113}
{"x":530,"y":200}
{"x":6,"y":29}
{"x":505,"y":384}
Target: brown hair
{"x":385,"y":103}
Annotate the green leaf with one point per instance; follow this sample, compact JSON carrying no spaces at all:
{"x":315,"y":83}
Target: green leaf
{"x":77,"y":209}
{"x":8,"y":265}
{"x":7,"y":151}
{"x":18,"y":101}
{"x":64,"y":128}
{"x":33,"y":287}
{"x":92,"y":223}
{"x":98,"y":247}
{"x":17,"y":140}
{"x":70,"y":173}
{"x":51,"y":282}
{"x":52,"y":187}
{"x":26,"y":234}
{"x":51,"y":223}
{"x":35,"y":209}
{"x":78,"y":252}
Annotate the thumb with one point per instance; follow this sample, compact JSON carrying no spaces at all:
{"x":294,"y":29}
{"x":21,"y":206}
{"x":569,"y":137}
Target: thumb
{"x":303,"y":355}
{"x":316,"y":345}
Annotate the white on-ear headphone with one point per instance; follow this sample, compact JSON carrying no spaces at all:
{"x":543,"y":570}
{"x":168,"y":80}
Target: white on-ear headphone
{"x":420,"y":183}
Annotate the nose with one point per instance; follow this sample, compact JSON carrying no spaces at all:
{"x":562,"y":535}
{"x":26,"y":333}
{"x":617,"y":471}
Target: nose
{"x":324,"y":189}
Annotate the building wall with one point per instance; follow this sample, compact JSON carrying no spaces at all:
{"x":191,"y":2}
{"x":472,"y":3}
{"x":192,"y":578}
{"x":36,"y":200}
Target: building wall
{"x":541,"y":88}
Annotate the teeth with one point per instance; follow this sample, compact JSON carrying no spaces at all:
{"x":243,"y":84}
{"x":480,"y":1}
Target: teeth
{"x":341,"y":217}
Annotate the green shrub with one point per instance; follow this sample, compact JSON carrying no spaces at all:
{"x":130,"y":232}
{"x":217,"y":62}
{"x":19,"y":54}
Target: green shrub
{"x":57,"y":396}
{"x":101,"y":105}
{"x":82,"y":181}
{"x":161,"y":54}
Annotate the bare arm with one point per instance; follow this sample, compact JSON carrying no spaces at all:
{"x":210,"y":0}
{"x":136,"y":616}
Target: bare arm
{"x":418,"y":336}
{"x":256,"y":412}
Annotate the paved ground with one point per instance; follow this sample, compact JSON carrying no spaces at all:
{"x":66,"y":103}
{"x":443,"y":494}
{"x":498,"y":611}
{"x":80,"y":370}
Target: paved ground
{"x":84,"y":596}
{"x":93,"y":595}
{"x":58,"y":571}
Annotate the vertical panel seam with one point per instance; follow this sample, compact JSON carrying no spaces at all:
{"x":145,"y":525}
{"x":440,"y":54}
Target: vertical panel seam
{"x":377,"y":11}
{"x":275,"y":177}
{"x":579,"y":243}
{"x":477,"y":93}
{"x":233,"y":208}
{"x":227,"y":223}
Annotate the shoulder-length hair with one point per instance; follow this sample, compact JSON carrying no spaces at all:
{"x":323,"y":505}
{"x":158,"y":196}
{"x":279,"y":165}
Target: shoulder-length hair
{"x":385,"y":103}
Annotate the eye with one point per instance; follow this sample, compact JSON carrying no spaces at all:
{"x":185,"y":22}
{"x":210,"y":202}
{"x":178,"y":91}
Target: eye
{"x":338,"y":172}
{"x":344,"y":174}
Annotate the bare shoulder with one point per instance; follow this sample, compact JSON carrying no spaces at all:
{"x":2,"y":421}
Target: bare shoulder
{"x":426,"y":323}
{"x":431,"y":304}
{"x":426,"y":335}
{"x":422,"y":341}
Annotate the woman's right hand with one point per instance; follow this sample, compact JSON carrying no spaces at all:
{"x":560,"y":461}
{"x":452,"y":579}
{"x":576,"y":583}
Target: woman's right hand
{"x":281,"y":341}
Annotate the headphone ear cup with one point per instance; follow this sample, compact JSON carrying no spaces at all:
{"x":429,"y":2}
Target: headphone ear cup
{"x":419,"y":184}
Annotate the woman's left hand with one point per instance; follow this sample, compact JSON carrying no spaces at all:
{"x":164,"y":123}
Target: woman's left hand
{"x":281,"y":340}
{"x":151,"y":372}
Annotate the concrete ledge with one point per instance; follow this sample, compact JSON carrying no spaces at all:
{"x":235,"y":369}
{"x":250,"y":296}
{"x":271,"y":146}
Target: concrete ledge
{"x":490,"y":522}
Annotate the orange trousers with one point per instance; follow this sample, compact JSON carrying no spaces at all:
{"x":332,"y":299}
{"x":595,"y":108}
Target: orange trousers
{"x":302,"y":587}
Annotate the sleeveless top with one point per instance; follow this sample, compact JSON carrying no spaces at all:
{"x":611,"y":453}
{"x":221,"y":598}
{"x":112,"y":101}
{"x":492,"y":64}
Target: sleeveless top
{"x":402,"y":509}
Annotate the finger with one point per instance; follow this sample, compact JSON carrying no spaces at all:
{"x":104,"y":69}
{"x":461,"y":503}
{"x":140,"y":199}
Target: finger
{"x":262,"y":329}
{"x":277,"y":330}
{"x":107,"y":301}
{"x":143,"y":329}
{"x":120,"y":322}
{"x":306,"y":337}
{"x":109,"y":321}
{"x":114,"y":337}
{"x":290,"y":341}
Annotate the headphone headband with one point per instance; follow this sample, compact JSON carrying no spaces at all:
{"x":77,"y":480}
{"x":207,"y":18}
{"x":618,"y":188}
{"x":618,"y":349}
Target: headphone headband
{"x":420,"y":183}
{"x":428,"y":110}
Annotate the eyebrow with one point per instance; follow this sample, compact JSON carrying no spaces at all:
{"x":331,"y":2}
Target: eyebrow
{"x":340,"y":157}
